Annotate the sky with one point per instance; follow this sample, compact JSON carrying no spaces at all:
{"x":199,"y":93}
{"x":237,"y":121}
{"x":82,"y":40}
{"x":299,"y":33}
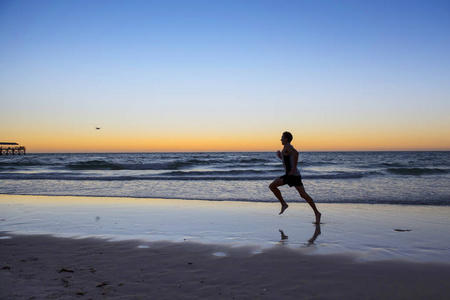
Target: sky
{"x":224,"y":75}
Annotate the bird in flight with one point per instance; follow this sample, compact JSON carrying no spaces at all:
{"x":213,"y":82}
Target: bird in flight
{"x":97,"y":128}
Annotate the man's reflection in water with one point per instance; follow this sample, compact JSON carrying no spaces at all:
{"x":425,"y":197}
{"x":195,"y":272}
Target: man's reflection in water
{"x":317,"y":232}
{"x":284,"y":238}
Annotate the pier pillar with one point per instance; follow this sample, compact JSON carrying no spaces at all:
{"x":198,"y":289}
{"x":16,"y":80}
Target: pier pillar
{"x":12,"y":150}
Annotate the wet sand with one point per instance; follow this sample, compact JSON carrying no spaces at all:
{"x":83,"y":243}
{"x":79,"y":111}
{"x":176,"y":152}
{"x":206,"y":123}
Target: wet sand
{"x":91,"y":248}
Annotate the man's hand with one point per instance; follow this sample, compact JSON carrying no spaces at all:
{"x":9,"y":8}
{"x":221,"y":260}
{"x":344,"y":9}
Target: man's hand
{"x":279,"y":154}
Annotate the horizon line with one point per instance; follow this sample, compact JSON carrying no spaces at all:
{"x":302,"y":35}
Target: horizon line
{"x":236,"y":151}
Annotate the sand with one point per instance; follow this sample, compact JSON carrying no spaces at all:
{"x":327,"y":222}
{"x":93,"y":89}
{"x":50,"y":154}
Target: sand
{"x":66,"y":248}
{"x":64,"y":268}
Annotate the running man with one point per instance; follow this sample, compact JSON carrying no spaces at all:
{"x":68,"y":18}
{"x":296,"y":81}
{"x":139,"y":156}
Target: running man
{"x":289,"y":156}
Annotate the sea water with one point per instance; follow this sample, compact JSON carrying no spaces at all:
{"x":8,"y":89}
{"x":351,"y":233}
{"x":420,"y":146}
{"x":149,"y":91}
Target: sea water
{"x":417,"y":178}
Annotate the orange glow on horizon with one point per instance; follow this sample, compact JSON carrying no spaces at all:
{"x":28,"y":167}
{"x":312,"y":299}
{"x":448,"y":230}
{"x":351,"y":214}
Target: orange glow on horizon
{"x":193,"y":143}
{"x":68,"y":140}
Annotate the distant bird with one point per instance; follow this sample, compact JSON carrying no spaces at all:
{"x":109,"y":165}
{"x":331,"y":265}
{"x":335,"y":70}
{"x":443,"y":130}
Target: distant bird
{"x":98,"y":128}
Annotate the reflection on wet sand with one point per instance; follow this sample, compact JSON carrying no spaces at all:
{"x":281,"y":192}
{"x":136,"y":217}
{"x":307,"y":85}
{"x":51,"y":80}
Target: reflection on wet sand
{"x":317,"y":232}
{"x":283,"y":238}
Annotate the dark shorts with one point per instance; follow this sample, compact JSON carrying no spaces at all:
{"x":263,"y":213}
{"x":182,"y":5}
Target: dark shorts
{"x":292,"y":180}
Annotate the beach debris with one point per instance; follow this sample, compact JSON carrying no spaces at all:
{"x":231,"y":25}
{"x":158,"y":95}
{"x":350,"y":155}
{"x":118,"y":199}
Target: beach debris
{"x":106,"y":286}
{"x":402,"y":230}
{"x":65,"y":270}
{"x":105,"y":283}
{"x":30,"y":259}
{"x":7,"y":268}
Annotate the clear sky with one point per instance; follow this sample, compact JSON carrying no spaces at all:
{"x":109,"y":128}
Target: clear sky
{"x":224,"y":75}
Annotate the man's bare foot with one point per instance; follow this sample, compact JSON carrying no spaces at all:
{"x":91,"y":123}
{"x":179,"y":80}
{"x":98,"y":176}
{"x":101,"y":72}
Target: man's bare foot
{"x":283,"y":208}
{"x":318,"y":216}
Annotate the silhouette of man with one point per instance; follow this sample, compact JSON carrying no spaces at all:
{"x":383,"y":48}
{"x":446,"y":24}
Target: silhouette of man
{"x":292,"y":176}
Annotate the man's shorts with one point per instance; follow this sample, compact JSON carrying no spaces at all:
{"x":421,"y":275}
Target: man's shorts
{"x":292,"y":180}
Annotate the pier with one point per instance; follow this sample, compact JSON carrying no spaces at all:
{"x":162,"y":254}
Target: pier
{"x":11,"y":149}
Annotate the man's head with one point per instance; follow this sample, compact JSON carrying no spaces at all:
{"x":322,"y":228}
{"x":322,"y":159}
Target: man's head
{"x":288,"y":136}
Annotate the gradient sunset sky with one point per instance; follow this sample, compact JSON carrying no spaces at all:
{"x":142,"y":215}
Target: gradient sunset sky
{"x":224,"y":75}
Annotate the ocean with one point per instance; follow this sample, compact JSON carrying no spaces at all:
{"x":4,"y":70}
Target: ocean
{"x":413,"y":178}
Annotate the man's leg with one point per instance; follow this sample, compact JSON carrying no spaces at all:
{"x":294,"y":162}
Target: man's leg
{"x":304,"y":195}
{"x":274,"y":188}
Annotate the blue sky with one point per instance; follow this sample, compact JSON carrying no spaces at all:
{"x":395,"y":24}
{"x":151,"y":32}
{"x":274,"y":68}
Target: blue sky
{"x":334,"y":72}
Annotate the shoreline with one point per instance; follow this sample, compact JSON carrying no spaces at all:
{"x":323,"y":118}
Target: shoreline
{"x":296,"y":200}
{"x":370,"y":232}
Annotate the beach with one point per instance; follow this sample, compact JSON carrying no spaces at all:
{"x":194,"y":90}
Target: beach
{"x":125,"y":248}
{"x":145,"y":145}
